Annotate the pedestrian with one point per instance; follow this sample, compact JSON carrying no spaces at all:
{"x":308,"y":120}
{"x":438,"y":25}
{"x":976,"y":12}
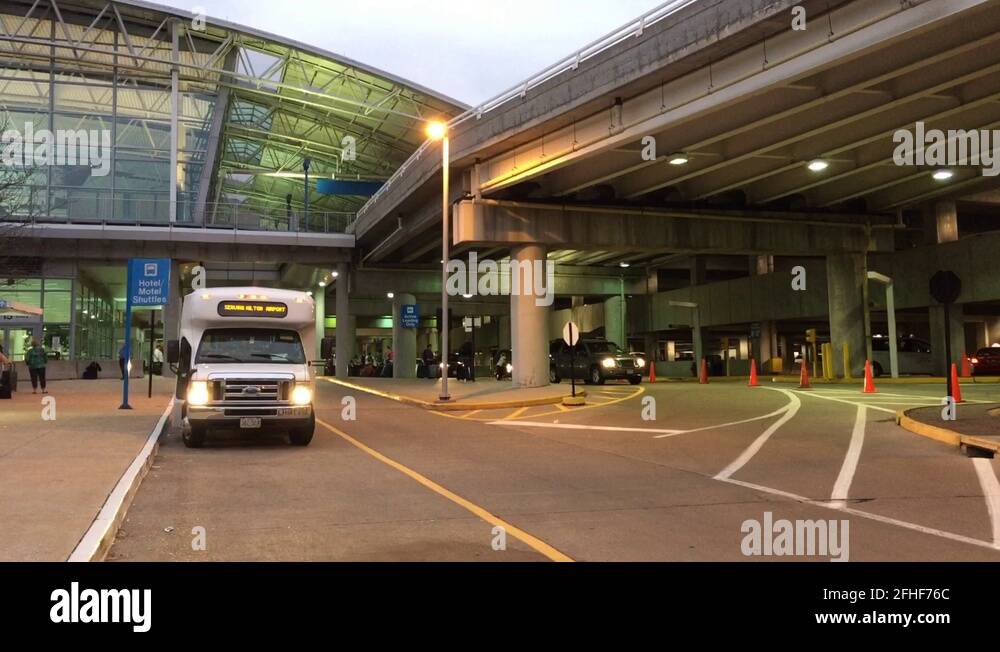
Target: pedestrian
{"x":158,"y":360}
{"x":121,"y":360}
{"x":36,"y":358}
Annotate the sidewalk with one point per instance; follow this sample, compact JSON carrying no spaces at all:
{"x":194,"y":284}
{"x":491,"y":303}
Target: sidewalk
{"x":484,"y":394}
{"x":56,"y":475}
{"x":976,"y":426}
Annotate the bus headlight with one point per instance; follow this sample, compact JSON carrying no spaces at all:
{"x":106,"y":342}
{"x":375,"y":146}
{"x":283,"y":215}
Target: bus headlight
{"x":608,"y":363}
{"x":197,"y":393}
{"x":302,"y":395}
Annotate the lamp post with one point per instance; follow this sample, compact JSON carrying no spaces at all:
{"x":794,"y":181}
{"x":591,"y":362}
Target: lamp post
{"x":439,"y":131}
{"x":890,"y":308}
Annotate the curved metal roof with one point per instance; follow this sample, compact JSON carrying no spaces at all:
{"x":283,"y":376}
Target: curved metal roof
{"x":285,"y":101}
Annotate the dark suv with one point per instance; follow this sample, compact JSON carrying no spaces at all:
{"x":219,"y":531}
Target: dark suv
{"x":594,"y":361}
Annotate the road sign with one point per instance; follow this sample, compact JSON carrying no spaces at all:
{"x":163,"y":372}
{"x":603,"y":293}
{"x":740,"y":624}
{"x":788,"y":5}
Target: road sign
{"x":148,"y":282}
{"x":409,"y":315}
{"x":945,"y":287}
{"x":571,"y":333}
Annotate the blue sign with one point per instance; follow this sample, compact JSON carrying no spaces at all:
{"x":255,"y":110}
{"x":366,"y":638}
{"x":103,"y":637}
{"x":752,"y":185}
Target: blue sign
{"x":3,"y":304}
{"x":409,"y":316}
{"x":148,"y":282}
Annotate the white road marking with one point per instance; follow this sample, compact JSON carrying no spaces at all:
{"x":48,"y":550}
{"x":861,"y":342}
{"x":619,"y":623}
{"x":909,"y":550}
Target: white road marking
{"x":783,"y":408}
{"x":840,"y":400}
{"x":991,"y":490}
{"x":842,"y":488}
{"x":868,"y":515}
{"x":573,"y":426}
{"x":790,"y":411}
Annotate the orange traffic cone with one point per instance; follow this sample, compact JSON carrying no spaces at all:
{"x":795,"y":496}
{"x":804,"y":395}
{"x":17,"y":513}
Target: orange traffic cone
{"x":966,"y":366}
{"x":652,"y":371}
{"x":869,"y":381}
{"x":956,"y":388}
{"x":703,"y":376}
{"x":804,"y":376}
{"x":753,"y":373}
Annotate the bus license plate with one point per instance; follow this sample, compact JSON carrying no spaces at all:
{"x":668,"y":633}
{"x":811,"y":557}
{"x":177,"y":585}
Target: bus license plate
{"x":249,"y":422}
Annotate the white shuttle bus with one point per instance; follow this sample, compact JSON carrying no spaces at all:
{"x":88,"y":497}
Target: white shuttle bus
{"x":242,"y":363}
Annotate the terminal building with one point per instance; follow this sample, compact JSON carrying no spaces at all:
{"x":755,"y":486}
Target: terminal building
{"x":717,"y":179}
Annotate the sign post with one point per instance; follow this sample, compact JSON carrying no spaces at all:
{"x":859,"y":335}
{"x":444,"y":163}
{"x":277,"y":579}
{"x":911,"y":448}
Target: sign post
{"x":571,"y":335}
{"x":148,"y":287}
{"x":945,"y":288}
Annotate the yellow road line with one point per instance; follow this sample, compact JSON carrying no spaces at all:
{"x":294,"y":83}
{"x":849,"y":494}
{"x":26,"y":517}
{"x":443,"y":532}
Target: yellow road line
{"x":516,"y":413}
{"x":534,"y":542}
{"x":562,"y":408}
{"x":469,"y":414}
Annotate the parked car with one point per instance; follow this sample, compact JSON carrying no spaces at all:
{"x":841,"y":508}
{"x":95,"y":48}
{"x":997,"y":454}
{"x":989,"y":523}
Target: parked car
{"x":594,"y":361}
{"x":986,"y":362}
{"x":914,"y":356}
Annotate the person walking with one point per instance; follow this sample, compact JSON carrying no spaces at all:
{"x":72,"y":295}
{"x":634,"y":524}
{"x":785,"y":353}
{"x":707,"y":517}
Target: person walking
{"x":36,"y":358}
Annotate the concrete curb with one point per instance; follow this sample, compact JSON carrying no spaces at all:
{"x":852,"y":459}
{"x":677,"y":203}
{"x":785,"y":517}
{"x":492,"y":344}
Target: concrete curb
{"x":944,"y":435}
{"x":455,"y":406}
{"x":96,"y":543}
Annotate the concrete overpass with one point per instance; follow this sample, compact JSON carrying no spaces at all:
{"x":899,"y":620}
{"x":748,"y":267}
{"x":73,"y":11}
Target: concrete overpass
{"x":714,"y":129}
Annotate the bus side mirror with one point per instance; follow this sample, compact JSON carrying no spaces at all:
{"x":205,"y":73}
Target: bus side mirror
{"x":173,"y":352}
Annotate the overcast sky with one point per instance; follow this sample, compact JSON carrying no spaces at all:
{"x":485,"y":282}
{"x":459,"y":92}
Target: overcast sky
{"x":467,"y":49}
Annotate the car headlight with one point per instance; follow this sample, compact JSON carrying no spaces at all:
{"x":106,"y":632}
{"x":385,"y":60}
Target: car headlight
{"x":608,"y":363}
{"x":510,"y":368}
{"x":302,"y":395}
{"x":197,"y":393}
{"x":639,"y":362}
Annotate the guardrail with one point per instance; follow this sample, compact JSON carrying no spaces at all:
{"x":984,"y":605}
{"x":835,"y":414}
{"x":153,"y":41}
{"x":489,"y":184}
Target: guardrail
{"x":633,"y":29}
{"x":221,"y":215}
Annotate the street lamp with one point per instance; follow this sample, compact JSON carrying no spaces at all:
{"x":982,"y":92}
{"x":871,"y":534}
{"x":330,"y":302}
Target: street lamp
{"x":437,"y":130}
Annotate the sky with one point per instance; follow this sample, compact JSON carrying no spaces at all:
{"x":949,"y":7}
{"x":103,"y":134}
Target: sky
{"x":469,"y":50}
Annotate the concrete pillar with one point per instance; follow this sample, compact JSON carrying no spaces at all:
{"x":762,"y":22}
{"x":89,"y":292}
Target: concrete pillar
{"x":529,"y":324}
{"x":614,"y":318}
{"x":941,"y":223}
{"x":320,"y":299}
{"x":345,"y":323}
{"x":172,"y":312}
{"x":846,"y":280}
{"x":577,"y":301}
{"x":992,"y":331}
{"x":651,"y":345}
{"x":404,"y":340}
{"x":698,"y":273}
{"x":936,"y":314}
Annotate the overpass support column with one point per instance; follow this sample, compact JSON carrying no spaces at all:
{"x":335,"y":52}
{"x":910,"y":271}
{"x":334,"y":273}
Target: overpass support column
{"x":345,"y":323}
{"x":529,"y":322}
{"x":320,"y":299}
{"x":404,"y":340}
{"x":937,"y":337}
{"x":849,"y":320}
{"x":614,"y":321}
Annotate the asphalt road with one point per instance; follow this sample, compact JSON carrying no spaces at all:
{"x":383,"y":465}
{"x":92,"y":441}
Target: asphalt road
{"x":594,"y":483}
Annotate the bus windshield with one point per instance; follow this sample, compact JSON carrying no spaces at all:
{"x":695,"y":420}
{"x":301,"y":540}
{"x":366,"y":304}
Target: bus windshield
{"x":261,"y":345}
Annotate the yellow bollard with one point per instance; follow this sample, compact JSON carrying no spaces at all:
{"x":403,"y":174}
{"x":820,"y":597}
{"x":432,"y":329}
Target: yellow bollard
{"x":847,"y":361}
{"x":828,"y":367}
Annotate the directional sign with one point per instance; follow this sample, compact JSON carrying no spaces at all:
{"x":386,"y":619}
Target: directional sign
{"x":148,"y":282}
{"x":571,"y":333}
{"x":409,"y":315}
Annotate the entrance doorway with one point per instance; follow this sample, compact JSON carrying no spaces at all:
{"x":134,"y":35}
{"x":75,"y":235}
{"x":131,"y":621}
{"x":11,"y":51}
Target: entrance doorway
{"x":16,"y":342}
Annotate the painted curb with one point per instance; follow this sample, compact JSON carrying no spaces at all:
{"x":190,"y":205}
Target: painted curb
{"x":456,"y":406}
{"x":943,"y":435}
{"x":96,"y":543}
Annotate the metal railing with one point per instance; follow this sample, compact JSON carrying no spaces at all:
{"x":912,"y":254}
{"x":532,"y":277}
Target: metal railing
{"x":221,"y":215}
{"x":633,"y":29}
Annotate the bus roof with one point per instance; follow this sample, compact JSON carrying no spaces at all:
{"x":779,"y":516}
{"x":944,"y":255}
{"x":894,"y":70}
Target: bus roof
{"x":242,"y":306}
